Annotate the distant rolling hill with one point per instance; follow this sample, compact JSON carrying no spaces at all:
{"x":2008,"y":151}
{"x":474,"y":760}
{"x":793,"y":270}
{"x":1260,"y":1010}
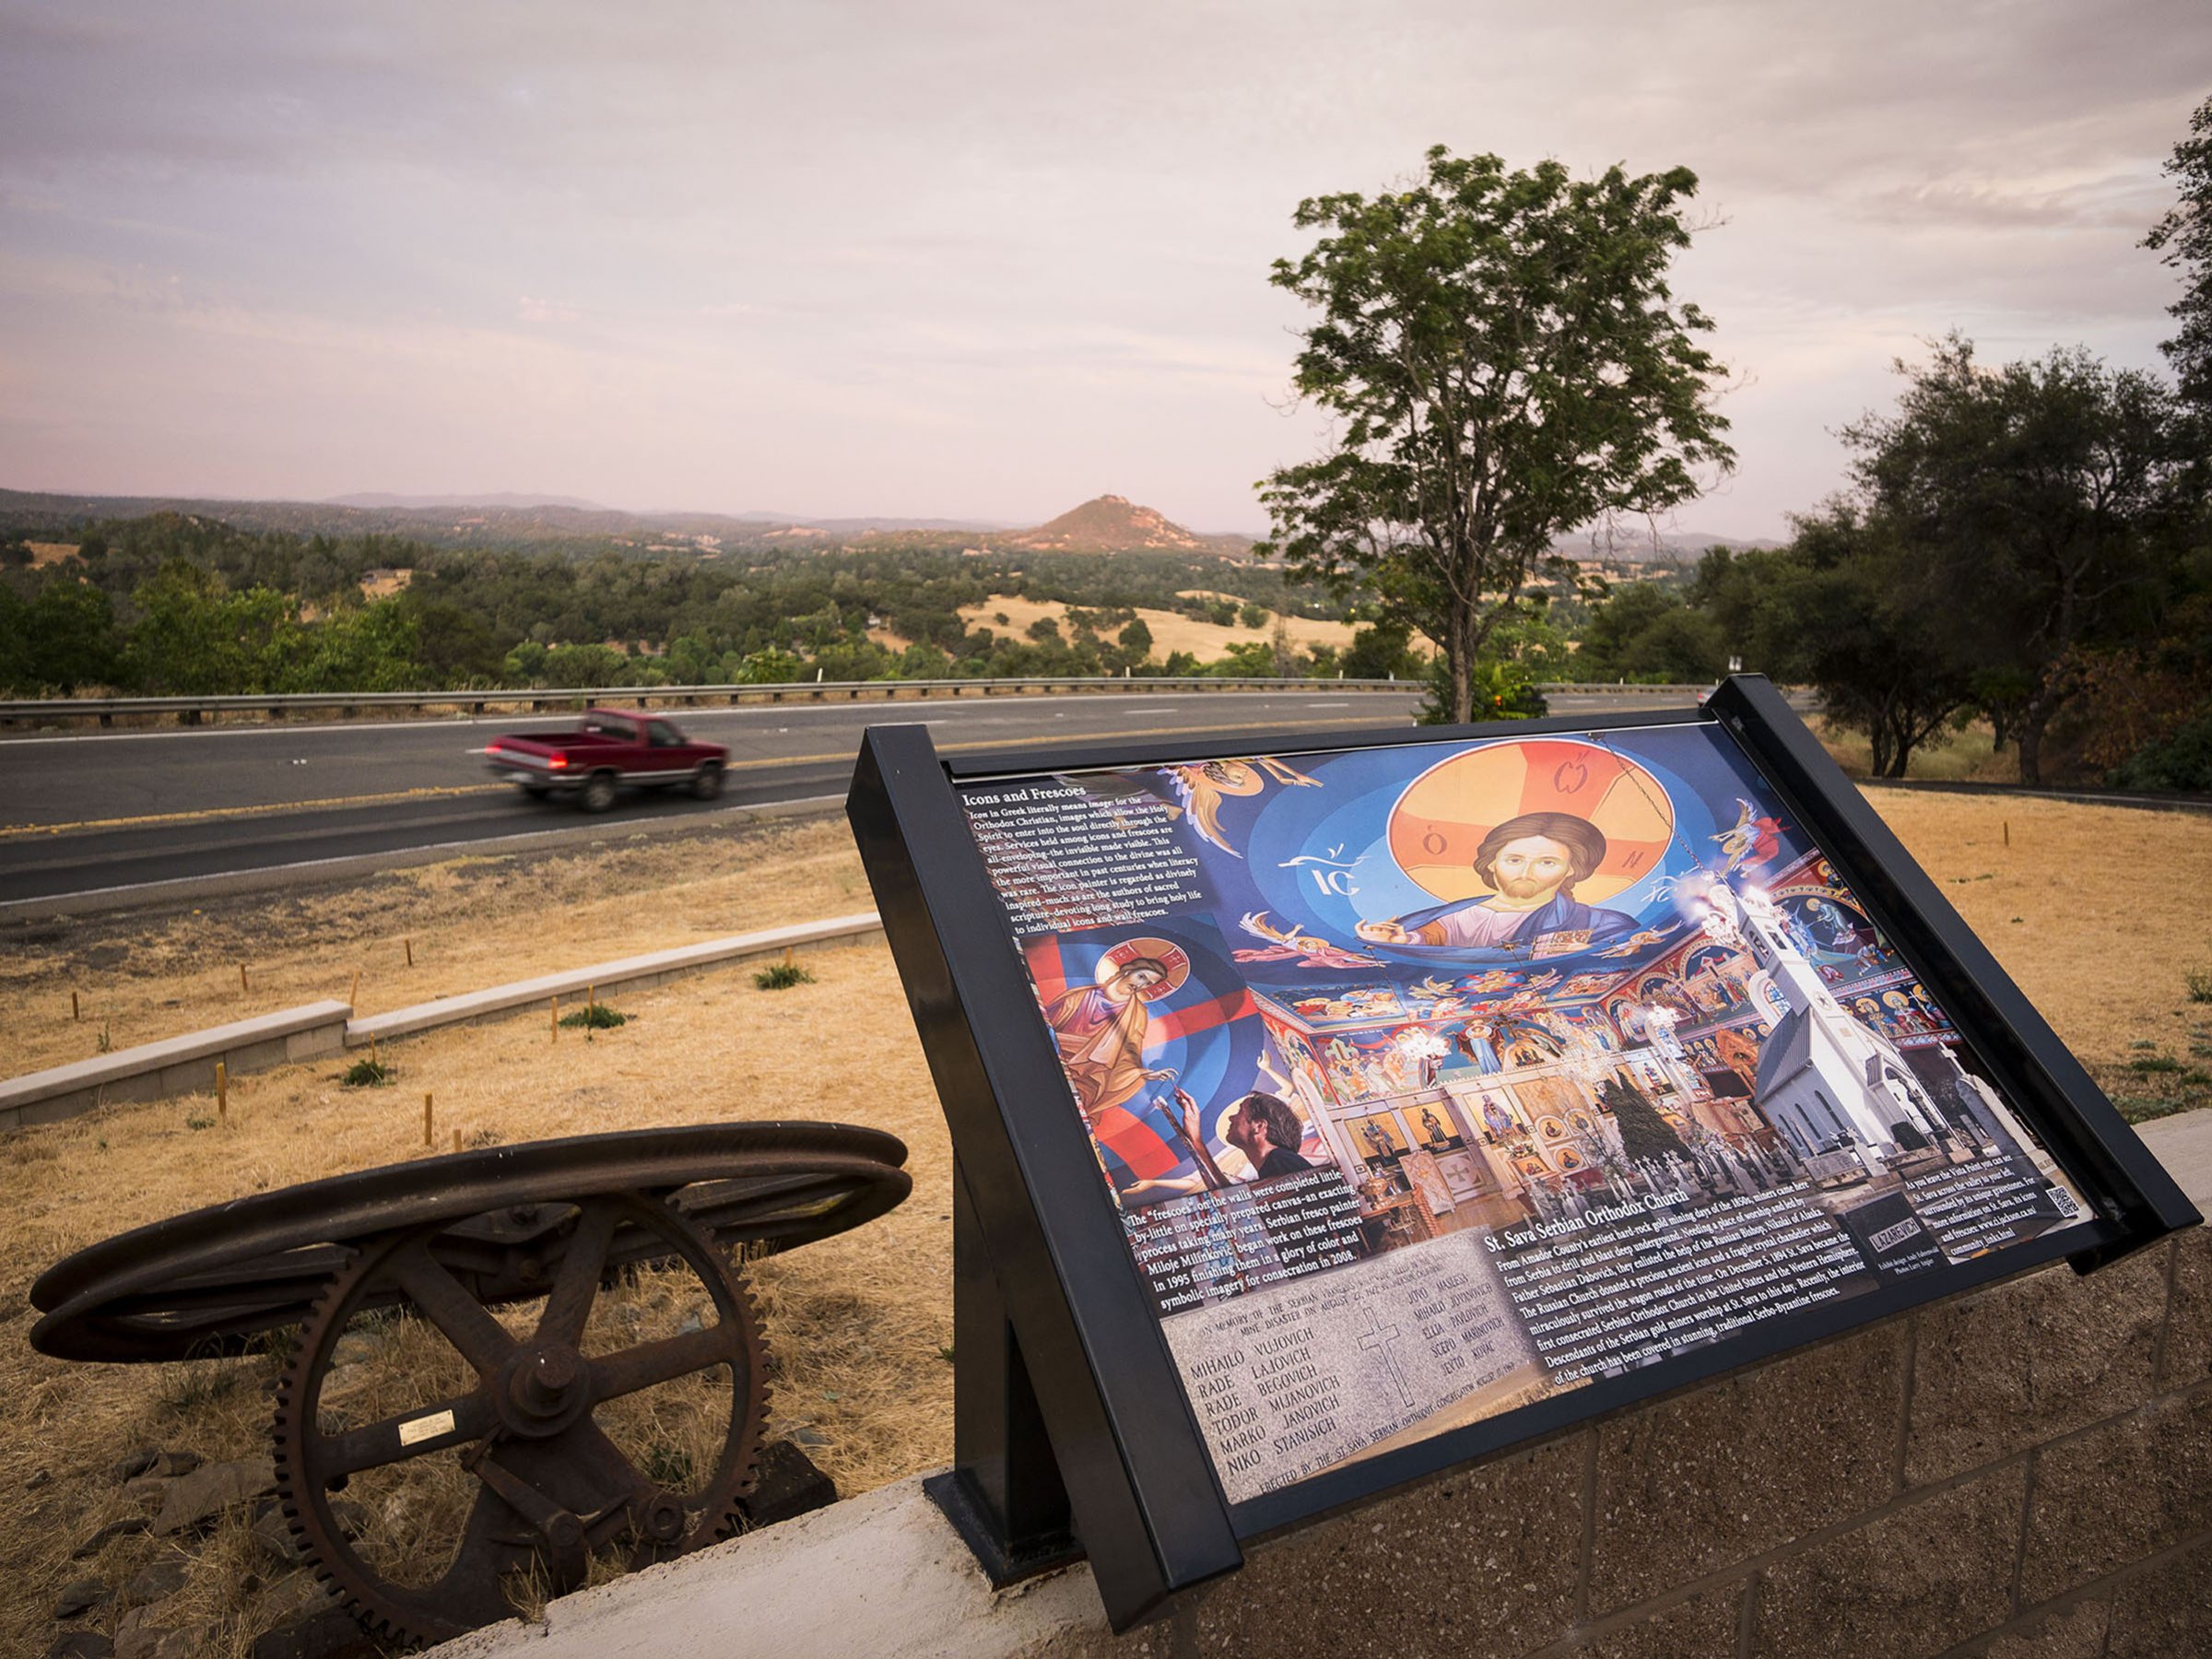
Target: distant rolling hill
{"x":1112,"y":523}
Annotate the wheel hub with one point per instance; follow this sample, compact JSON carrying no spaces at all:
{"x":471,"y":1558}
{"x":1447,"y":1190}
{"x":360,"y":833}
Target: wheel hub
{"x":544,"y":1388}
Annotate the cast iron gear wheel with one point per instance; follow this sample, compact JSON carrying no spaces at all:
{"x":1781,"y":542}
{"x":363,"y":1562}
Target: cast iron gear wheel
{"x":552,"y":1488}
{"x":219,"y":1280}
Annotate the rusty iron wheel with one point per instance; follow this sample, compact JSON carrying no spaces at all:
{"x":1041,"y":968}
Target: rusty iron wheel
{"x":221,"y":1280}
{"x":548,"y":1480}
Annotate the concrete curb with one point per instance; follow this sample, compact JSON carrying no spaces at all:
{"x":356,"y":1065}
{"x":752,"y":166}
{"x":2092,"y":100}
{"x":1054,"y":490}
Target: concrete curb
{"x":175,"y":1065}
{"x":631,"y":971}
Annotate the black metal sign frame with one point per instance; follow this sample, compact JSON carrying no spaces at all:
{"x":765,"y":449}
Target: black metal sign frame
{"x":1067,"y":1397}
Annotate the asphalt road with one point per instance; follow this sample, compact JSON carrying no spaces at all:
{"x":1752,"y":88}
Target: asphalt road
{"x":101,"y":812}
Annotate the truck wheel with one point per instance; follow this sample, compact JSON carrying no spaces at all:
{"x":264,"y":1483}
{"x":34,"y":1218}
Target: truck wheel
{"x":598,"y":792}
{"x":706,"y":783}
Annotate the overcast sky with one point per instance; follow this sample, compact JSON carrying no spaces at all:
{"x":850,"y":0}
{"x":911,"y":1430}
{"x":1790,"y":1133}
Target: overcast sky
{"x":982,"y":260}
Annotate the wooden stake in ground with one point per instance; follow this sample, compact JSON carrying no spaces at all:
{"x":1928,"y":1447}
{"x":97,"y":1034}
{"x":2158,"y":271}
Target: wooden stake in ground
{"x":241,"y":976}
{"x":557,"y":1019}
{"x":353,"y":999}
{"x":428,"y":1121}
{"x":74,"y":1012}
{"x":222,"y":1093}
{"x":2009,"y":832}
{"x":410,"y":945}
{"x":456,"y":1140}
{"x":591,"y":1000}
{"x":787,"y":961}
{"x":373,"y":1051}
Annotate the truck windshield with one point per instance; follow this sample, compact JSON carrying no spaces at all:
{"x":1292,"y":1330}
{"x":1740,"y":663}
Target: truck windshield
{"x":599,"y":725}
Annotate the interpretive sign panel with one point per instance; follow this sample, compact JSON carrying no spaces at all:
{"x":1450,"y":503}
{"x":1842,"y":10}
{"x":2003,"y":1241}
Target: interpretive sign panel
{"x":1445,"y":1087}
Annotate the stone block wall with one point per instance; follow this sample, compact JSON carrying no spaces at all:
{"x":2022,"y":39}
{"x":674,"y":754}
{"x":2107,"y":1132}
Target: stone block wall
{"x":2025,"y":1473}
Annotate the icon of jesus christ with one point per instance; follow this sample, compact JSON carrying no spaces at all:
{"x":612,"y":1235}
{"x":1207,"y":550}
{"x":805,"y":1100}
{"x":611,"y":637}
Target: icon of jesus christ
{"x":1531,"y":864}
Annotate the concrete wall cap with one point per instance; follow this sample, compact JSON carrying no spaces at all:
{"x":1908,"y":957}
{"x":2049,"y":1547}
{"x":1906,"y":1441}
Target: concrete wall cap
{"x":873,"y":1575}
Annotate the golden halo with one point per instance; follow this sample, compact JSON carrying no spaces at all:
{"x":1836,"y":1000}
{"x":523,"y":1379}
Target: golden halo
{"x":1171,"y":956}
{"x":1439,"y":823}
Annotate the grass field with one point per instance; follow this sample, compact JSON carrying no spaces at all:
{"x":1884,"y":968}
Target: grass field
{"x":2092,"y":910}
{"x":1171,"y":630}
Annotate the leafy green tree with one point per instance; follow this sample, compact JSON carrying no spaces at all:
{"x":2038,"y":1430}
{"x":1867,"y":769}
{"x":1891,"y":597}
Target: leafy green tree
{"x":2043,"y":499}
{"x":1382,"y":651}
{"x":367,"y":647}
{"x":769,"y":668}
{"x":1646,"y":631}
{"x":525,"y":665}
{"x":1645,"y":1133}
{"x":193,"y":637}
{"x":1253,"y":614}
{"x":1504,"y":362}
{"x":1853,"y":613}
{"x":2184,"y":235}
{"x":1137,"y":640}
{"x":1248,"y":659}
{"x":453,"y":645}
{"x":68,"y":640}
{"x":2181,"y":760}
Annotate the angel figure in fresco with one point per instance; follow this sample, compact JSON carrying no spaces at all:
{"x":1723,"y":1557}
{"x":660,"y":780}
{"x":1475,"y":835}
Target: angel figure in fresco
{"x":1585,"y":984}
{"x":1751,"y":840}
{"x":1633,"y":943}
{"x":1202,"y":785}
{"x":1309,"y":950}
{"x":1544,"y":980}
{"x":1497,"y":979}
{"x":1434,"y":987}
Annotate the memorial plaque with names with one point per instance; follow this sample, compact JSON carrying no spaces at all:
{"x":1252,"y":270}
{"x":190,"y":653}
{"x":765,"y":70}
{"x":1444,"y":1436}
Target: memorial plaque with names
{"x":1338,"y":1109}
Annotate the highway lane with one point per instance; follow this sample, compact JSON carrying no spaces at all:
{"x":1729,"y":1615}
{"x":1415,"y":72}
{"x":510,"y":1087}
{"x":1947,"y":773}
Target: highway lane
{"x":96,"y":812}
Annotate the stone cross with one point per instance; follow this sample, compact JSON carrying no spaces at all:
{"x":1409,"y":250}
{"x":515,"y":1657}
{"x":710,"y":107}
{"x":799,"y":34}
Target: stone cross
{"x":1377,"y":1340}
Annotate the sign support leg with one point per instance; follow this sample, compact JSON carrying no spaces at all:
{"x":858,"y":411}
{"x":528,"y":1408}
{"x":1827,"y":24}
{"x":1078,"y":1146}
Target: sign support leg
{"x":1003,"y":1494}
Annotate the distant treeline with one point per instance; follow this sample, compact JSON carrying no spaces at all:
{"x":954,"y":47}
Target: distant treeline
{"x":178,"y":605}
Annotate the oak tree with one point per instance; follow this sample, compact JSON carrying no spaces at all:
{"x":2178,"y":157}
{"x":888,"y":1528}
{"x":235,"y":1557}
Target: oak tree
{"x":1503,"y":361}
{"x":2184,"y":235}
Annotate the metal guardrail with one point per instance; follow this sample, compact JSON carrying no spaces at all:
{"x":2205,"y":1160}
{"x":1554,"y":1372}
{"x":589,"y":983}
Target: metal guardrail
{"x":193,"y":710}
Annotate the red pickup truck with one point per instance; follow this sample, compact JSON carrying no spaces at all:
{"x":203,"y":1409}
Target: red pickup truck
{"x":611,"y":748}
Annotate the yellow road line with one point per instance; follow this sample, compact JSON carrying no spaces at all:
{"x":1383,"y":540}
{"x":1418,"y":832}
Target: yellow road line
{"x":212,"y":814}
{"x":239,"y":812}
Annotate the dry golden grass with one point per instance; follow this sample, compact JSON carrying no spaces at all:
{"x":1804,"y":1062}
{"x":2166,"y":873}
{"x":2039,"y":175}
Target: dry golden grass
{"x":1968,"y":757}
{"x":859,"y":1324}
{"x":143,"y":978}
{"x":47,"y":553}
{"x":856,"y":1324}
{"x":2094,"y":911}
{"x":1171,"y":630}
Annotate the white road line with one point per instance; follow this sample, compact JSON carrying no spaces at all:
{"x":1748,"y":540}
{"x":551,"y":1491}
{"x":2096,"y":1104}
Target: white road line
{"x":401,"y":857}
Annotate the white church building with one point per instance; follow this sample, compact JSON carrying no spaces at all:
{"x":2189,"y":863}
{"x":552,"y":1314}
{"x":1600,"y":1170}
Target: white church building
{"x":1825,"y":1080}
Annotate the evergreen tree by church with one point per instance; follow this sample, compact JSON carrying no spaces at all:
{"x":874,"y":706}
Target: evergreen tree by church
{"x":1643,"y":1133}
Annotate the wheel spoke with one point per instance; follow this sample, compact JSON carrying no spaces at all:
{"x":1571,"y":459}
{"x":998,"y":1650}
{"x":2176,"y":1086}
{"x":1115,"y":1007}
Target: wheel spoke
{"x":374,"y":1444}
{"x":576,"y":1282}
{"x":672,"y":1357}
{"x":467,"y":1323}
